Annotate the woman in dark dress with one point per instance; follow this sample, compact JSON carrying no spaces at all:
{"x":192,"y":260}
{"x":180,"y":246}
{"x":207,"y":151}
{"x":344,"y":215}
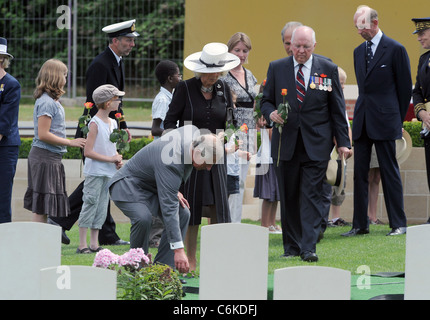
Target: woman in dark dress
{"x":206,"y":102}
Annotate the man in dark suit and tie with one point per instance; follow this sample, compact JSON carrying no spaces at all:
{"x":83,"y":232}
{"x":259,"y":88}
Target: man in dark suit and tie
{"x":306,"y":140}
{"x":384,"y":82}
{"x":106,"y":68}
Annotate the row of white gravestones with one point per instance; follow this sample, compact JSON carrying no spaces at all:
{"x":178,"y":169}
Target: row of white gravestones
{"x":234,"y":266}
{"x":30,"y":268}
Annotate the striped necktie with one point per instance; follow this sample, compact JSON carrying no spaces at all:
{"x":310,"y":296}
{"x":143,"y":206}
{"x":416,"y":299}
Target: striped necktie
{"x":300,"y":86}
{"x":369,"y":53}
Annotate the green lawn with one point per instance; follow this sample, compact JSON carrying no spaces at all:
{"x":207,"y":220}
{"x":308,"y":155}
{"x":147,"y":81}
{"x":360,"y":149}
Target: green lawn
{"x":375,"y":250}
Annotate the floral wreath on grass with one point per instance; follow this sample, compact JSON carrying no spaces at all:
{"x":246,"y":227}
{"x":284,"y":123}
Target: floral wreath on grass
{"x":138,"y":278}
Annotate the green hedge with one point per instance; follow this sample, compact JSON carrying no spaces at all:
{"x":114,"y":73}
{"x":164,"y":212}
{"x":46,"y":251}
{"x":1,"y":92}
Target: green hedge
{"x":413,"y":128}
{"x":75,"y":153}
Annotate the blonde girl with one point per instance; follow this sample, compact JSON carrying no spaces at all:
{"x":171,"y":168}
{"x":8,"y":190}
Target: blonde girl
{"x":46,"y":193}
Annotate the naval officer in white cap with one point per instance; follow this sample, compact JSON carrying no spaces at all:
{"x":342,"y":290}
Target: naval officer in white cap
{"x":106,"y":68}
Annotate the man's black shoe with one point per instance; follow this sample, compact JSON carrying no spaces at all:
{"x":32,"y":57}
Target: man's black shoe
{"x":354,"y":232}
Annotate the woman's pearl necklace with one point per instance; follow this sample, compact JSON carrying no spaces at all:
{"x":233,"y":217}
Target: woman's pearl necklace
{"x":204,"y":89}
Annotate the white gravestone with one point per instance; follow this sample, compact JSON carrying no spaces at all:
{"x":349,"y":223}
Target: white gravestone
{"x":311,"y":283}
{"x":25,"y":248}
{"x":233,"y":262}
{"x":77,"y":283}
{"x":417,"y":262}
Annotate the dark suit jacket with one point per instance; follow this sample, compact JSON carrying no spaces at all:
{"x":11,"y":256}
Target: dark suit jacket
{"x":103,"y":69}
{"x":421,"y":91}
{"x":10,"y":94}
{"x":321,"y":116}
{"x":384,"y":91}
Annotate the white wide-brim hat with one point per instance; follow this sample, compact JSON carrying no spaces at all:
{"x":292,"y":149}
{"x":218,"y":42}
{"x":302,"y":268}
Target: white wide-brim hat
{"x":213,"y":58}
{"x":336,"y":171}
{"x":3,"y":48}
{"x":403,"y":147}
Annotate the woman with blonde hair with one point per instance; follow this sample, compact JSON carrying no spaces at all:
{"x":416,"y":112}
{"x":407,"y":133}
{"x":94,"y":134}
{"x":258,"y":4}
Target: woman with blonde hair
{"x":46,"y":193}
{"x":242,"y":82}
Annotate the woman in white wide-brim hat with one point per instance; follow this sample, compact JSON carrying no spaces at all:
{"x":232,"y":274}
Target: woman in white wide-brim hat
{"x":206,"y":102}
{"x":10,"y":94}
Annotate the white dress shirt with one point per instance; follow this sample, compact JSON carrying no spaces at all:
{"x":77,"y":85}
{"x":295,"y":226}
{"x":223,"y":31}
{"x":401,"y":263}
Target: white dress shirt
{"x":117,"y":57}
{"x":306,"y":70}
{"x":375,"y":41}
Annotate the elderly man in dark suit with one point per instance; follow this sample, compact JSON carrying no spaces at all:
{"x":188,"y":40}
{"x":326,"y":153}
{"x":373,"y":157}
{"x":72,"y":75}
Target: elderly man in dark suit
{"x":148,"y":185}
{"x":384,"y":82}
{"x":106,"y":68}
{"x":304,"y":144}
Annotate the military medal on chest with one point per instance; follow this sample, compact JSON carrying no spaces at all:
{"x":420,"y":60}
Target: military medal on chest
{"x":320,"y":86}
{"x":312,"y":85}
{"x":329,"y":87}
{"x":320,"y":82}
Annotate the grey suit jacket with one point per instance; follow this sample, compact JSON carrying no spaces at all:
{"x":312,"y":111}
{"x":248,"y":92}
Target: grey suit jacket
{"x":154,"y":175}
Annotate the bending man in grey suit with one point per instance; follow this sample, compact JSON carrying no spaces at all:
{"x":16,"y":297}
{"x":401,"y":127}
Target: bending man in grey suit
{"x":148,"y":185}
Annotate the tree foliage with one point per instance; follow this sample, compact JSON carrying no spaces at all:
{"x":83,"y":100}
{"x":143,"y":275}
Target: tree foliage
{"x":33,"y":35}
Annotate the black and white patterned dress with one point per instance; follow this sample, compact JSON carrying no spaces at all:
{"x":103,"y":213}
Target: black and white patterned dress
{"x":244,"y":111}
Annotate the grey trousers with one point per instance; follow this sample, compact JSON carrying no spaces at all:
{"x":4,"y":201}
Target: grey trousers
{"x":141,"y":220}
